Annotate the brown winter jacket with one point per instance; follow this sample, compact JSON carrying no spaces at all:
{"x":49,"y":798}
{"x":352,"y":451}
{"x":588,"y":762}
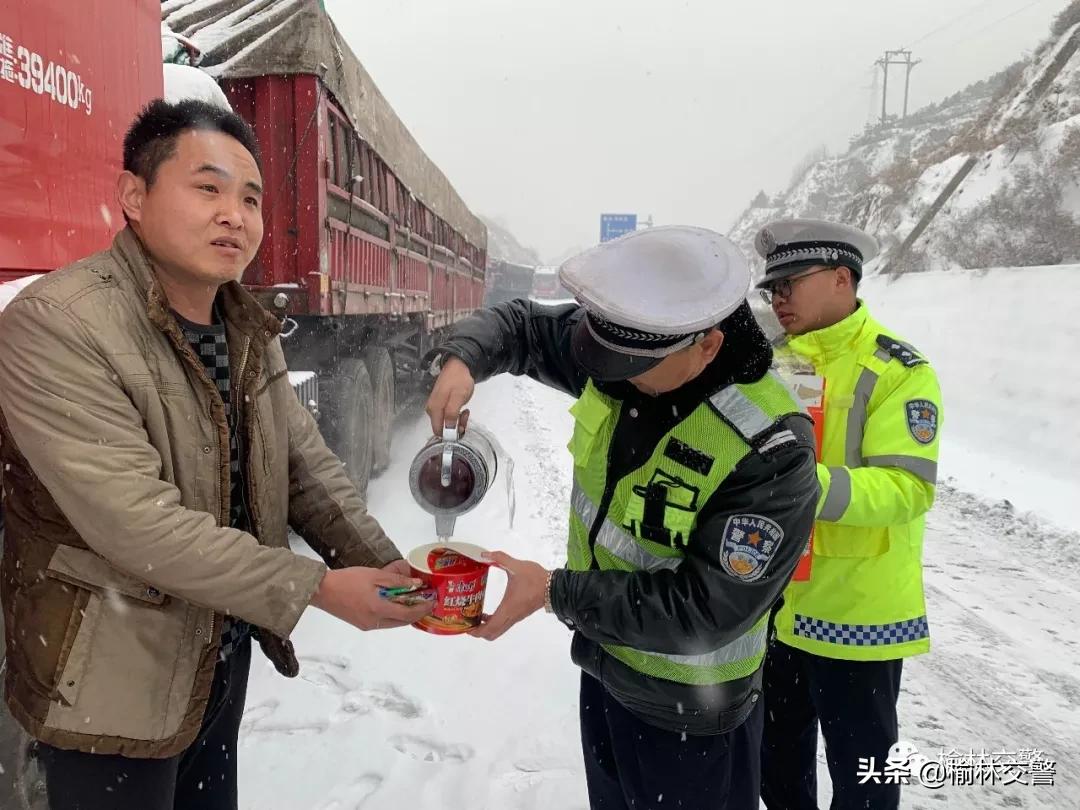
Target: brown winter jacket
{"x":116,"y":566}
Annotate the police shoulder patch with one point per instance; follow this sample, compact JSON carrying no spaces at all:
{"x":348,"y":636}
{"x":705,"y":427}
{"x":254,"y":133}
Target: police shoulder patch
{"x":748,"y":546}
{"x":903,"y":352}
{"x":922,"y":420}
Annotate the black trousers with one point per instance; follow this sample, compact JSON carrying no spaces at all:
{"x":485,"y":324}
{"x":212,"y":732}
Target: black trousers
{"x":631,"y":765}
{"x":855,"y":703}
{"x":201,"y":778}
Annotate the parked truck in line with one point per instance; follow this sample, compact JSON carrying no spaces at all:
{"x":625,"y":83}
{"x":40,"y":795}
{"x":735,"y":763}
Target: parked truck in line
{"x":546,"y":285}
{"x":506,"y":281}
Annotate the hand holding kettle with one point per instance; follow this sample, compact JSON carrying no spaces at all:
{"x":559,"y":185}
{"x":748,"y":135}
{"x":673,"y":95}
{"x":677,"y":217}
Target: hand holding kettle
{"x":453,"y":389}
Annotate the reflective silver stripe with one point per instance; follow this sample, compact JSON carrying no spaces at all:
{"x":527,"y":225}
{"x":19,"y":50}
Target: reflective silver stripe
{"x":745,"y":646}
{"x":839,"y":497}
{"x":924,"y":468}
{"x":881,"y":354}
{"x":583,"y":507}
{"x":616,"y":540}
{"x":629,"y":550}
{"x":783,"y":437}
{"x":743,"y":414}
{"x":856,"y":419}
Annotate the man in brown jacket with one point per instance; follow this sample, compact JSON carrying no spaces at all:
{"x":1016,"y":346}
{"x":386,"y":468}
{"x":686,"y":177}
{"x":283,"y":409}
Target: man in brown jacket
{"x":155,"y":458}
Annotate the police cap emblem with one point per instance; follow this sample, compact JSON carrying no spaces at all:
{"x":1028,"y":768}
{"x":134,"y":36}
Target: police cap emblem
{"x":766,"y":241}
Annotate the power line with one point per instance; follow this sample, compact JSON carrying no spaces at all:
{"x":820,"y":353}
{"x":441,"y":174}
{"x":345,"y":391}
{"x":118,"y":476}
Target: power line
{"x":787,"y":133}
{"x":850,"y":87}
{"x":949,"y":23}
{"x":1008,"y":16}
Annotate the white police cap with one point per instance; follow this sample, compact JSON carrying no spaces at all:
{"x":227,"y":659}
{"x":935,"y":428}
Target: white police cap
{"x":791,"y":245}
{"x":650,"y":294}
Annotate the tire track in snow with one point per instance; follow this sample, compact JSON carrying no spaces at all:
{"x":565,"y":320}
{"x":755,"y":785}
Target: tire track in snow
{"x":547,"y":471}
{"x":355,"y":796}
{"x":1001,"y":672}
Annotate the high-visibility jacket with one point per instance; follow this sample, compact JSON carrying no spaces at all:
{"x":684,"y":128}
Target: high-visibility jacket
{"x":629,"y":537}
{"x":878,"y":467}
{"x":702,"y":560}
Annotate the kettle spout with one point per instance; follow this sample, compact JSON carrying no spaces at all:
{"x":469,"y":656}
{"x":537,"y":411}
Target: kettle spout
{"x":444,"y":525}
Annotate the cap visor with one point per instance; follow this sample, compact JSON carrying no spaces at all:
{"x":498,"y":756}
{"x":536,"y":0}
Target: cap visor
{"x":603,"y":364}
{"x":784,"y":272}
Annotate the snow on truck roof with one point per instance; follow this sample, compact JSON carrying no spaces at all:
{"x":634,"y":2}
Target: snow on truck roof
{"x":9,"y":289}
{"x":184,"y":82}
{"x":242,"y":39}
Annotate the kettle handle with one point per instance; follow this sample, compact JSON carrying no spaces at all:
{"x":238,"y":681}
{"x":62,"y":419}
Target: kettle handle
{"x":450,"y":435}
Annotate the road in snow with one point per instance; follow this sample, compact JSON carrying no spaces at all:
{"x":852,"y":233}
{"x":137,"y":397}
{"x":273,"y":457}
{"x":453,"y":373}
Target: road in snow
{"x":400,"y":718}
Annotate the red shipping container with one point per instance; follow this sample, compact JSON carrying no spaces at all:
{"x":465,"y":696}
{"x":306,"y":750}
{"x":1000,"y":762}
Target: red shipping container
{"x":66,"y":100}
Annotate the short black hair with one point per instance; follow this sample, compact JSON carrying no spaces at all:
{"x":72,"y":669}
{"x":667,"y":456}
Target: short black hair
{"x":151,"y":139}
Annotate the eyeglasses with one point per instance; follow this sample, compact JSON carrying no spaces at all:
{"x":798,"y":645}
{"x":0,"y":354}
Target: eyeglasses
{"x":782,"y":288}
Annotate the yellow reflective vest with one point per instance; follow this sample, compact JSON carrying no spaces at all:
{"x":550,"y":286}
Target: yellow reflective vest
{"x":878,"y":469}
{"x":721,"y":430}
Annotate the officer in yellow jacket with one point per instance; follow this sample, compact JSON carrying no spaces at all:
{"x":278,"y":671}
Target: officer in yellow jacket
{"x":844,"y":628}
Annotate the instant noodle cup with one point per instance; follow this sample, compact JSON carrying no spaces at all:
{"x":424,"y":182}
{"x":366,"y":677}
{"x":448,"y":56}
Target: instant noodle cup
{"x":459,"y":576}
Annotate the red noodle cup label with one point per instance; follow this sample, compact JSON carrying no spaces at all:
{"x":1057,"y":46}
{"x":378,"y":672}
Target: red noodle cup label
{"x":460,"y":583}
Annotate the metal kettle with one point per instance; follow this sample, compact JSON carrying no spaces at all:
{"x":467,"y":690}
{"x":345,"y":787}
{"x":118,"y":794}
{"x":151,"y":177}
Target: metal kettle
{"x":452,"y":474}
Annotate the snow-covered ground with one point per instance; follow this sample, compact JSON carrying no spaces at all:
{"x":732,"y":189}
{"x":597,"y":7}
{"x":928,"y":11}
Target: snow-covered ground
{"x":400,"y":718}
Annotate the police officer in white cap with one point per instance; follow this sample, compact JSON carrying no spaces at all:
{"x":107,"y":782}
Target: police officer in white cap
{"x":693,"y":497}
{"x":851,"y":616}
{"x":797,"y":250}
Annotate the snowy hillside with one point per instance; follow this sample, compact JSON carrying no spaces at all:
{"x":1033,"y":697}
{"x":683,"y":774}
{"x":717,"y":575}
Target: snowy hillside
{"x":856,"y":186}
{"x":984,"y":178}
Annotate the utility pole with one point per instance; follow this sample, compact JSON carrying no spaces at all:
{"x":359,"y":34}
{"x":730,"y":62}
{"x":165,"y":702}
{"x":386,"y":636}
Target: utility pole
{"x":899,"y":58}
{"x":873,"y":88}
{"x":907,"y":79}
{"x":885,"y":88}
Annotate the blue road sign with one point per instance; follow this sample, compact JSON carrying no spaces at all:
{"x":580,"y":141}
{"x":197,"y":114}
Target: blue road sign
{"x":612,"y":226}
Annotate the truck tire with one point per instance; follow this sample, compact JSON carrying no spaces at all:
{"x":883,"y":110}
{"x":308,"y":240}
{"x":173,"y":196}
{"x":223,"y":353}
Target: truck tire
{"x":22,"y":784}
{"x":348,"y":415}
{"x":380,"y":368}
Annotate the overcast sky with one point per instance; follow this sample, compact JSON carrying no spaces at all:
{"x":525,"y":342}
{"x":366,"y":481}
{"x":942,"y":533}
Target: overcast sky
{"x":546,"y":113}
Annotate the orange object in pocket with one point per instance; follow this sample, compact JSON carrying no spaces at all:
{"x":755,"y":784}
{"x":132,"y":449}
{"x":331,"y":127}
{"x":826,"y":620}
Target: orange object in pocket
{"x":816,"y":408}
